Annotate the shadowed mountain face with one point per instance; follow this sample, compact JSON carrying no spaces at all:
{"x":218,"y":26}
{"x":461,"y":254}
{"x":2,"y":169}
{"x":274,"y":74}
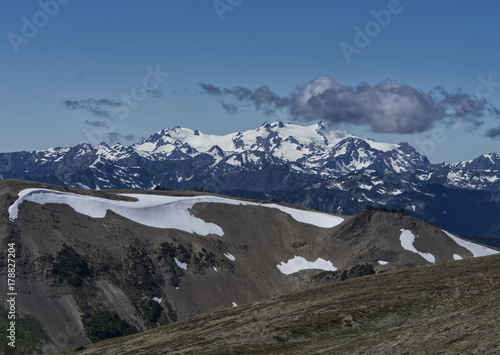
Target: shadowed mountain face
{"x":93,"y":265}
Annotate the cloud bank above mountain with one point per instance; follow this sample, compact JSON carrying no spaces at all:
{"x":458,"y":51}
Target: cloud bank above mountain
{"x":388,"y":107}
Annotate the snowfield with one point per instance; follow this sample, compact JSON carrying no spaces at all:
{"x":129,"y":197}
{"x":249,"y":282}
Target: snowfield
{"x":159,"y":211}
{"x":298,"y":263}
{"x":407,"y":239}
{"x":476,"y":249}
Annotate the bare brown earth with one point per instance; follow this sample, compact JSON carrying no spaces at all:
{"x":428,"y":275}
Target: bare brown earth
{"x":449,"y":308}
{"x":82,"y":279}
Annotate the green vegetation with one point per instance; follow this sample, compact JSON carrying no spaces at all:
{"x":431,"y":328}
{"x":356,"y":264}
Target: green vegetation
{"x":70,"y":266}
{"x":358,"y":270}
{"x":385,"y":209}
{"x":449,"y":308}
{"x":200,"y":189}
{"x":151,"y":310}
{"x":30,"y":336}
{"x":161,"y":188}
{"x":175,"y":250}
{"x":141,"y":276}
{"x":104,"y":325}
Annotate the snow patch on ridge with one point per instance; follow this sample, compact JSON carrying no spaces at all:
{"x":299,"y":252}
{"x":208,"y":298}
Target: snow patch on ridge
{"x":298,"y":263}
{"x":159,"y":211}
{"x":407,"y":239}
{"x":476,"y":250}
{"x":150,"y":210}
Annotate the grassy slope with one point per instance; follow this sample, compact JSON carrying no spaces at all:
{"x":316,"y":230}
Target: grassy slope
{"x":450,"y":308}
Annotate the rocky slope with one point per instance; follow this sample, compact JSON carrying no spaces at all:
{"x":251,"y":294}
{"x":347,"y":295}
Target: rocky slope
{"x":93,"y":264}
{"x":450,"y":308}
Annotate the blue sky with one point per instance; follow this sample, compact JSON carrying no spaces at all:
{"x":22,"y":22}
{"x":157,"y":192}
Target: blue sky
{"x":68,"y":66}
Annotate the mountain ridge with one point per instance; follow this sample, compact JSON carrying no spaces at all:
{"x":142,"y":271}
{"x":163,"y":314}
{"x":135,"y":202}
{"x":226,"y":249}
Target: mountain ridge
{"x":445,"y":308}
{"x":118,"y":261}
{"x":310,"y":150}
{"x":281,"y":161}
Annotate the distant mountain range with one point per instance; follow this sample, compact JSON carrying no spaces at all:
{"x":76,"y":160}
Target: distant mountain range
{"x":312,"y":166}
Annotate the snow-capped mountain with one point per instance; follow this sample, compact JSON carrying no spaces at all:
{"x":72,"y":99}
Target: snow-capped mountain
{"x":312,"y":150}
{"x":184,"y":158}
{"x":310,"y":165}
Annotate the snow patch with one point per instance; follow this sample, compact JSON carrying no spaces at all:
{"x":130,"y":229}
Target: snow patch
{"x":230,"y":256}
{"x":317,"y":219}
{"x":298,"y":263}
{"x":407,"y":239}
{"x":457,"y":257}
{"x":157,"y":299}
{"x":234,"y":304}
{"x":150,"y":210}
{"x":160,"y":211}
{"x":381,"y":262}
{"x":181,"y":265}
{"x":476,"y":250}
{"x":232,"y":161}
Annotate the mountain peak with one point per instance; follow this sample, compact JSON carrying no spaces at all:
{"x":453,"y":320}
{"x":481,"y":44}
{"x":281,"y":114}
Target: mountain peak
{"x":320,"y":125}
{"x":490,"y":161}
{"x":278,"y":124}
{"x":265,"y":125}
{"x":103,"y":145}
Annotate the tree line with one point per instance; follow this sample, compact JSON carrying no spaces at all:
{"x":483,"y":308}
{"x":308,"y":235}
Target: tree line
{"x":385,"y":209}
